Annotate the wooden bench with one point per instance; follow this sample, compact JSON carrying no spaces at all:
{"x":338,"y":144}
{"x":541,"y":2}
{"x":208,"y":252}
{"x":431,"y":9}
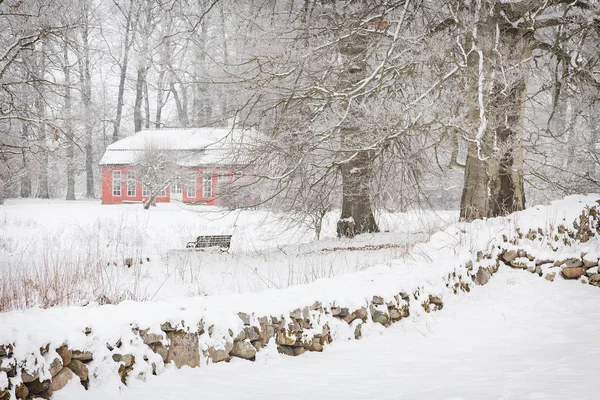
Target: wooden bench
{"x":223,"y":242}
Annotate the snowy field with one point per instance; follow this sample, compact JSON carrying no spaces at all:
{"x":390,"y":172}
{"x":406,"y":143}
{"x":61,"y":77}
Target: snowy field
{"x":519,"y":337}
{"x":58,"y":252}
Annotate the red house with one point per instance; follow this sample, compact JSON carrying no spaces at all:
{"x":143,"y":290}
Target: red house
{"x":195,"y":165}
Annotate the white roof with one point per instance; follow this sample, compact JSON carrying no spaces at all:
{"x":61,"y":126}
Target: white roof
{"x":192,"y":147}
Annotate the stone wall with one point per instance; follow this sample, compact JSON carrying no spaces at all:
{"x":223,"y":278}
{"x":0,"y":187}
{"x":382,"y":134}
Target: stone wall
{"x":142,"y":351}
{"x":568,"y":251}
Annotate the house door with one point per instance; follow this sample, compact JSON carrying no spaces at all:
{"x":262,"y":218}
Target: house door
{"x":176,"y":192}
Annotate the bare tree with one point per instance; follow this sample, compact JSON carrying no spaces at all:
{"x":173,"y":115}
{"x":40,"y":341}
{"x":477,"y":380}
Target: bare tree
{"x":336,"y":65}
{"x":130,"y":11}
{"x":156,"y":168}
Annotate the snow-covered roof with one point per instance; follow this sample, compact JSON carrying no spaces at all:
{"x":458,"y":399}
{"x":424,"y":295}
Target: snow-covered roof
{"x":192,"y":147}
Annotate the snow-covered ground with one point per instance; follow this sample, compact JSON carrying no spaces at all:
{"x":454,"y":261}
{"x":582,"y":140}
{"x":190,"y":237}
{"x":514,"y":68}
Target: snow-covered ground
{"x":59,"y":252}
{"x":519,"y":337}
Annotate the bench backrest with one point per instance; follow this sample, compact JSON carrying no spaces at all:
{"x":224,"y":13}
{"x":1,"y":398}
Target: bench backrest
{"x":214,"y":240}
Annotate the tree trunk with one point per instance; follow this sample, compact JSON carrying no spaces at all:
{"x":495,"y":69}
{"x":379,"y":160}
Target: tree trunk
{"x":43,"y":140}
{"x":474,"y":199}
{"x":68,"y":126}
{"x":128,"y":40}
{"x":201,"y":107}
{"x":357,"y":214}
{"x":159,"y":99}
{"x":146,"y":106}
{"x":86,"y":94}
{"x":224,"y":95}
{"x":180,"y":104}
{"x":164,"y":61}
{"x":144,"y":59}
{"x":43,"y":157}
{"x":150,"y":202}
{"x":139,"y":93}
{"x":25,"y":178}
{"x":493,"y":184}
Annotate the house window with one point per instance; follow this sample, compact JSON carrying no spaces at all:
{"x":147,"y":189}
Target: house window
{"x":206,"y":186}
{"x":162,"y":192}
{"x":221,"y":180}
{"x":176,"y":188}
{"x":191,"y":188}
{"x":131,"y":182}
{"x":116,"y":183}
{"x":145,"y":191}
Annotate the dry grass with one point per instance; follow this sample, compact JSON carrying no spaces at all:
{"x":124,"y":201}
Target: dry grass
{"x":62,"y":268}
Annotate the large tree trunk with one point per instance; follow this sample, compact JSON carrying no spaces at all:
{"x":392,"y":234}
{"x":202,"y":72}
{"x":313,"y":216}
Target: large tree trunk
{"x":493,"y":184}
{"x":357,"y":213}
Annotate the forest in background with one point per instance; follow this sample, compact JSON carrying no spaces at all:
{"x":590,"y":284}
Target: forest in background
{"x":361,"y":105}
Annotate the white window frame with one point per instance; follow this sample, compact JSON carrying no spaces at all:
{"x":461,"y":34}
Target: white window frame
{"x":176,"y":188}
{"x":162,"y":193}
{"x":191,"y":188}
{"x":145,"y":191}
{"x":207,"y":189}
{"x":116,"y":178}
{"x":131,"y":183}
{"x":222,"y":180}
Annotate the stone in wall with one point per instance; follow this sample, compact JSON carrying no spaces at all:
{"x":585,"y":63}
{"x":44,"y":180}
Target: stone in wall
{"x":569,"y":263}
{"x":29,"y":376}
{"x":573,"y":272}
{"x":161,"y":349}
{"x":65,"y":354}
{"x":38,"y":387}
{"x":149,"y":338}
{"x":482,"y":276}
{"x":21,"y":391}
{"x":589,"y":261}
{"x":83,"y":356}
{"x":61,"y":379}
{"x":243,"y":349}
{"x":285,"y":350}
{"x":55,"y":366}
{"x":183,"y":348}
{"x":81,"y":370}
{"x":219,"y":353}
{"x":509,"y":256}
{"x":379,"y":312}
